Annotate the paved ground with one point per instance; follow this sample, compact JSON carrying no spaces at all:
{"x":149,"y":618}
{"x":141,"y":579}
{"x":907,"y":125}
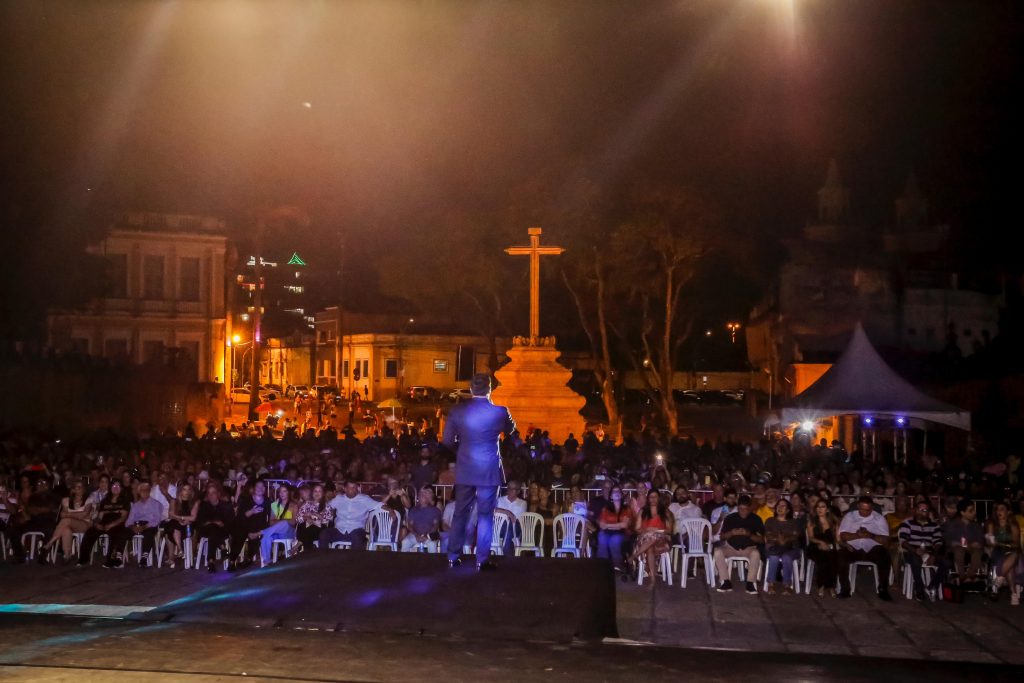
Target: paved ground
{"x":695,"y":617}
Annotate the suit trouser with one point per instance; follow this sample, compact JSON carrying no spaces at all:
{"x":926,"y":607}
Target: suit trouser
{"x":486,"y":497}
{"x":725,"y":550}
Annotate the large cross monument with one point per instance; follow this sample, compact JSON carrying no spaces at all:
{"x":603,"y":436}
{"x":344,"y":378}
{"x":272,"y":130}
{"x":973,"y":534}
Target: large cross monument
{"x":533,"y":384}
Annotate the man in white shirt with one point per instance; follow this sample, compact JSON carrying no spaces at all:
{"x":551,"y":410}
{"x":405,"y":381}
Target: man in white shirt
{"x":164,"y":492}
{"x":719,"y":514}
{"x":350,"y":514}
{"x":511,"y":505}
{"x":682,"y":509}
{"x":864,"y":537}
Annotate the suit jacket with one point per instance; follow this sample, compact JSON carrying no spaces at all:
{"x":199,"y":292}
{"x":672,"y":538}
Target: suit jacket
{"x":472,"y":431}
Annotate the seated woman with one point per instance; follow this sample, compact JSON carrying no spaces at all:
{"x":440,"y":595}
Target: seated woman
{"x":822,"y":530}
{"x":111,"y":514}
{"x":75,"y":518}
{"x":213,"y":521}
{"x":653,"y":528}
{"x":782,"y":544}
{"x":614,"y":526}
{"x":181,"y":514}
{"x":251,"y":517}
{"x":313,"y":517}
{"x":1003,"y":536}
{"x":281,"y":524}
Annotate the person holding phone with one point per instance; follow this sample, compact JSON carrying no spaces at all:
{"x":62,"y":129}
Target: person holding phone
{"x":144,"y":518}
{"x":251,"y":518}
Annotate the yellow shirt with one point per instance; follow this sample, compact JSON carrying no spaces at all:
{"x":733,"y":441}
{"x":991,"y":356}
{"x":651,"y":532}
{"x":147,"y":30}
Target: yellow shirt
{"x":765,"y":513}
{"x":894,"y":521}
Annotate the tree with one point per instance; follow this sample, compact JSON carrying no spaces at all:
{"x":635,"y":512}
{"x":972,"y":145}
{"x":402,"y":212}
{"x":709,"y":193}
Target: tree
{"x":659,"y":247}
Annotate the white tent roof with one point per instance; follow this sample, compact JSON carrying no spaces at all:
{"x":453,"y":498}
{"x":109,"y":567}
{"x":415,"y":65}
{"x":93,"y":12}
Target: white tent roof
{"x":861,"y":383}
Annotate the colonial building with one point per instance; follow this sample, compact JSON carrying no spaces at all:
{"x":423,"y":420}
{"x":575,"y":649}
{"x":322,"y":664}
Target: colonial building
{"x":382,"y":355}
{"x":165,"y":296}
{"x":896,"y":282}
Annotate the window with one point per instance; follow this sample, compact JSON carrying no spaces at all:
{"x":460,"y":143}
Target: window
{"x":152,"y":351}
{"x":188,"y":273}
{"x":344,"y":368}
{"x":391,"y":368}
{"x":188,"y":359}
{"x":366,"y":368}
{"x":115,"y":349}
{"x":117,"y":276}
{"x":80,"y":345}
{"x":440,"y":365}
{"x":153,"y":277}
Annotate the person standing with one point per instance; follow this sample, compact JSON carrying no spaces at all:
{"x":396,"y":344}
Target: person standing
{"x":472,"y":431}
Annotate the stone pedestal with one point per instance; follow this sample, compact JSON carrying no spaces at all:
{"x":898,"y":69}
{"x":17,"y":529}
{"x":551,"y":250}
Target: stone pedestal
{"x":533,"y":388}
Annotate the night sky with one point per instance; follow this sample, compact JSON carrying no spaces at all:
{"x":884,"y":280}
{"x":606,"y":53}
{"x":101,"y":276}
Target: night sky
{"x":382,"y":117}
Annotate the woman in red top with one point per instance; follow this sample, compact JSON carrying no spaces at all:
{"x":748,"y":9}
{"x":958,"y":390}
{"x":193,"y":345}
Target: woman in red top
{"x":614,"y":526}
{"x":652,"y":528}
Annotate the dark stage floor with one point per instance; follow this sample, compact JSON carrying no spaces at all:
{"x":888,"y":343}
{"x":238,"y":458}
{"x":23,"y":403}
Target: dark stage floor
{"x":412,"y":593}
{"x":51,"y":648}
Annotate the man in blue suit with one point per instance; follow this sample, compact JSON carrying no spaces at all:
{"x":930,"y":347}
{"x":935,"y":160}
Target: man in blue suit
{"x":472,"y":431}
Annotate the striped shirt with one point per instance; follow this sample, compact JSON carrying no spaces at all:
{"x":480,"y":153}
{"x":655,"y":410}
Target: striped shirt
{"x":916,"y":535}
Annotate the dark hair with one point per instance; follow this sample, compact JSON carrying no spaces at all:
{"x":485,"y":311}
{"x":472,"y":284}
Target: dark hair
{"x":480,"y":384}
{"x":728,"y":491}
{"x":743,"y":500}
{"x":866,"y":499}
{"x":645,"y":513}
{"x":963,"y":504}
{"x":610,"y":505}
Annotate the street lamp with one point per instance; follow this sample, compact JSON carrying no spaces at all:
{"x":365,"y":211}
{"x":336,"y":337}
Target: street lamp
{"x":235,"y":343}
{"x":733,"y":328}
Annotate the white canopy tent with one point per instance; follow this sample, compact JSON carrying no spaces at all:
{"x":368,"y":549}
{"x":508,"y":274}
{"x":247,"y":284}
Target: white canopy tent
{"x":861,"y":383}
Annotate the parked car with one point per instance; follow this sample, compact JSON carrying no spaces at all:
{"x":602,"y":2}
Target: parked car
{"x":419,"y":393}
{"x":239,"y":395}
{"x":686,"y":396}
{"x":457,"y":395}
{"x":296,"y":389}
{"x":268,"y":394}
{"x":330,"y":392}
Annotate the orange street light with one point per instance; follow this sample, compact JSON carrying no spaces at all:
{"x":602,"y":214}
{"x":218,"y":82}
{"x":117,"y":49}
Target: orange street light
{"x":733,"y":328}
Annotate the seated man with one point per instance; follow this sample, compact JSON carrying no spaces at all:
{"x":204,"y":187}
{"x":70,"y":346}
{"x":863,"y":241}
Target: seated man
{"x":921,"y":541}
{"x":964,"y":539}
{"x":350,"y":514}
{"x":213,"y":522}
{"x":864,"y":537}
{"x":448,"y":516}
{"x":39,"y":514}
{"x":718,"y":515}
{"x":511,"y":505}
{"x":144,"y":518}
{"x":422,"y":521}
{"x":741,"y":533}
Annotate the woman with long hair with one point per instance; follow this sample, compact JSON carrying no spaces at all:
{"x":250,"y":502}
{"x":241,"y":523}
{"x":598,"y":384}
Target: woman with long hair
{"x":181,"y":514}
{"x":281,"y":523}
{"x":75,"y":518}
{"x":1003,"y":536}
{"x":111,"y":515}
{"x":313,"y":517}
{"x":782,"y":536}
{"x":614,"y":525}
{"x":653,"y":526}
{"x":822,"y":534}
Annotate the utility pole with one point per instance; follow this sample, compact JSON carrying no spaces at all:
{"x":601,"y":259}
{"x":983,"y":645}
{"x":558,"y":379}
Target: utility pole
{"x":254,"y":369}
{"x":339,"y":323}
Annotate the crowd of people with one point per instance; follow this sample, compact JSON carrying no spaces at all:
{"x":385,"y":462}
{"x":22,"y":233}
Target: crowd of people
{"x":775,"y":503}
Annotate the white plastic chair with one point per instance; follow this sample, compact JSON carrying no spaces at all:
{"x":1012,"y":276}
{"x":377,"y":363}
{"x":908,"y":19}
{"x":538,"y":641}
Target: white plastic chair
{"x":137,"y":550}
{"x":698,"y":540}
{"x":853,"y":574}
{"x":531,"y":534}
{"x":76,"y":544}
{"x":428,"y":546}
{"x":796,"y":576}
{"x":568,"y":530}
{"x":36,"y":539}
{"x":740,"y":564}
{"x":500,"y":531}
{"x":664,"y":566}
{"x":202,"y":552}
{"x":383,"y":530}
{"x":927,"y":572}
{"x":285,"y":543}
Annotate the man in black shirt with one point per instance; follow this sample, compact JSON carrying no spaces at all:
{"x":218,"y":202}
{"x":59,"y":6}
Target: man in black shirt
{"x":39,"y":514}
{"x":742,"y":532}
